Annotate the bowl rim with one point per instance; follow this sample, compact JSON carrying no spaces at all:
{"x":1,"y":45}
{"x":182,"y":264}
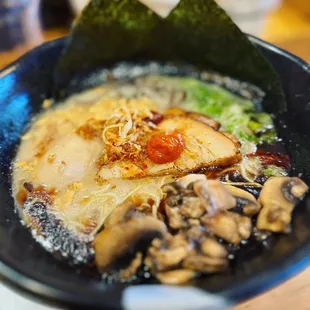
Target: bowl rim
{"x":246,"y":289}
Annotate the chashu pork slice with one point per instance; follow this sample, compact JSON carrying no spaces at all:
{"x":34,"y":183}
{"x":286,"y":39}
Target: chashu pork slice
{"x":203,"y":147}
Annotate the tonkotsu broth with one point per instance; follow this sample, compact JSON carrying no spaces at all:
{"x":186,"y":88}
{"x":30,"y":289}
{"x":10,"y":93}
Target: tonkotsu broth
{"x":54,"y":158}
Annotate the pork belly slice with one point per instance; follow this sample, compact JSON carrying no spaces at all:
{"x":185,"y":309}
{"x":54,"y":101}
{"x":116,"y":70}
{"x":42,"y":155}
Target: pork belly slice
{"x":203,"y":147}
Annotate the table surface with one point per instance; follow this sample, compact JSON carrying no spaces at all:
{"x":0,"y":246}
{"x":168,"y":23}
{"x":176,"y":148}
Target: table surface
{"x":290,"y":30}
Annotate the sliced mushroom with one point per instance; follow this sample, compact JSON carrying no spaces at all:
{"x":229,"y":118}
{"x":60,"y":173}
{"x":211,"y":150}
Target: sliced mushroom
{"x":132,"y":268}
{"x":192,"y":250}
{"x":175,"y":219}
{"x":278,"y":197}
{"x":172,"y":188}
{"x":178,"y":276}
{"x":181,"y":205}
{"x":214,"y":196}
{"x":246,"y":202}
{"x":212,"y":257}
{"x":122,"y":213}
{"x":230,"y":226}
{"x":167,"y":254}
{"x":205,"y":264}
{"x":185,"y":204}
{"x":192,"y":208}
{"x":294,"y":190}
{"x":196,"y":234}
{"x":213,"y":248}
{"x":127,"y":210}
{"x":125,"y":239}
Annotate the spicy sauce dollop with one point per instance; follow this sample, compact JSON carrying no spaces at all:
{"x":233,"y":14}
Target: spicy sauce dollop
{"x":165,"y":148}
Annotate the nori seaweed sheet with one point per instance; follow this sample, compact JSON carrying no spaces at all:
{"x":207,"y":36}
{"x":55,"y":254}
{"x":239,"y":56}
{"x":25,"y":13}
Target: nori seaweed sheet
{"x":197,"y":32}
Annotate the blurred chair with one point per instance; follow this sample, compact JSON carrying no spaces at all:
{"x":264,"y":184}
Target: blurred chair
{"x":20,"y":28}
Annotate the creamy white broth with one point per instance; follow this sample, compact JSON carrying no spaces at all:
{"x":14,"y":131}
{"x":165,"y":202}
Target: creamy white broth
{"x":53,"y":156}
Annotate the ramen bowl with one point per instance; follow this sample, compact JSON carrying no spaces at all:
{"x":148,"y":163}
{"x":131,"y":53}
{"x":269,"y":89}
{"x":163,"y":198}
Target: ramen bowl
{"x":26,"y":266}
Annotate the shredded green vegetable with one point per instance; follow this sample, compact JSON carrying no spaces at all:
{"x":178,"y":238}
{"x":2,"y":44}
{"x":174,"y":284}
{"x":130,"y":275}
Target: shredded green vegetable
{"x":273,"y":170}
{"x":236,"y":115}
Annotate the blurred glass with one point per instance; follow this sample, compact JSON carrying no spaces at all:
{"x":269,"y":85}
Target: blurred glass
{"x":78,"y":5}
{"x":20,"y":28}
{"x":250,"y":15}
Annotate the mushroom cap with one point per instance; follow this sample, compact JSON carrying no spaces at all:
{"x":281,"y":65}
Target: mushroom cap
{"x":278,"y":197}
{"x":115,"y":243}
{"x":167,"y":254}
{"x":230,"y":226}
{"x":171,"y":188}
{"x":181,"y":203}
{"x":245,"y":200}
{"x":214,"y":196}
{"x":294,"y":189}
{"x":192,"y":208}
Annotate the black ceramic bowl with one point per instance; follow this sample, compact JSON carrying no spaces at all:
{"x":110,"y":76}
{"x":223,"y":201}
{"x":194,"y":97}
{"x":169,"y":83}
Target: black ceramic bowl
{"x":27,"y":266}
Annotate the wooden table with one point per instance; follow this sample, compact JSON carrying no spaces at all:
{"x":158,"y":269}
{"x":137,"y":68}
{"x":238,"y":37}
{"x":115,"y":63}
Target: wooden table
{"x":290,"y":30}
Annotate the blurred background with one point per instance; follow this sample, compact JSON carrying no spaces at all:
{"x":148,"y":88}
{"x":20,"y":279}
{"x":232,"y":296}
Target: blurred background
{"x":27,"y":23}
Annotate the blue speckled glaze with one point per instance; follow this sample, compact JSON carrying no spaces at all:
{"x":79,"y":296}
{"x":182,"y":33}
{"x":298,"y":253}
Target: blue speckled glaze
{"x":27,"y":266}
{"x":18,"y":105}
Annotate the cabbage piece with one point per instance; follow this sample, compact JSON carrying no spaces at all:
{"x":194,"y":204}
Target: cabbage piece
{"x":235,"y":114}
